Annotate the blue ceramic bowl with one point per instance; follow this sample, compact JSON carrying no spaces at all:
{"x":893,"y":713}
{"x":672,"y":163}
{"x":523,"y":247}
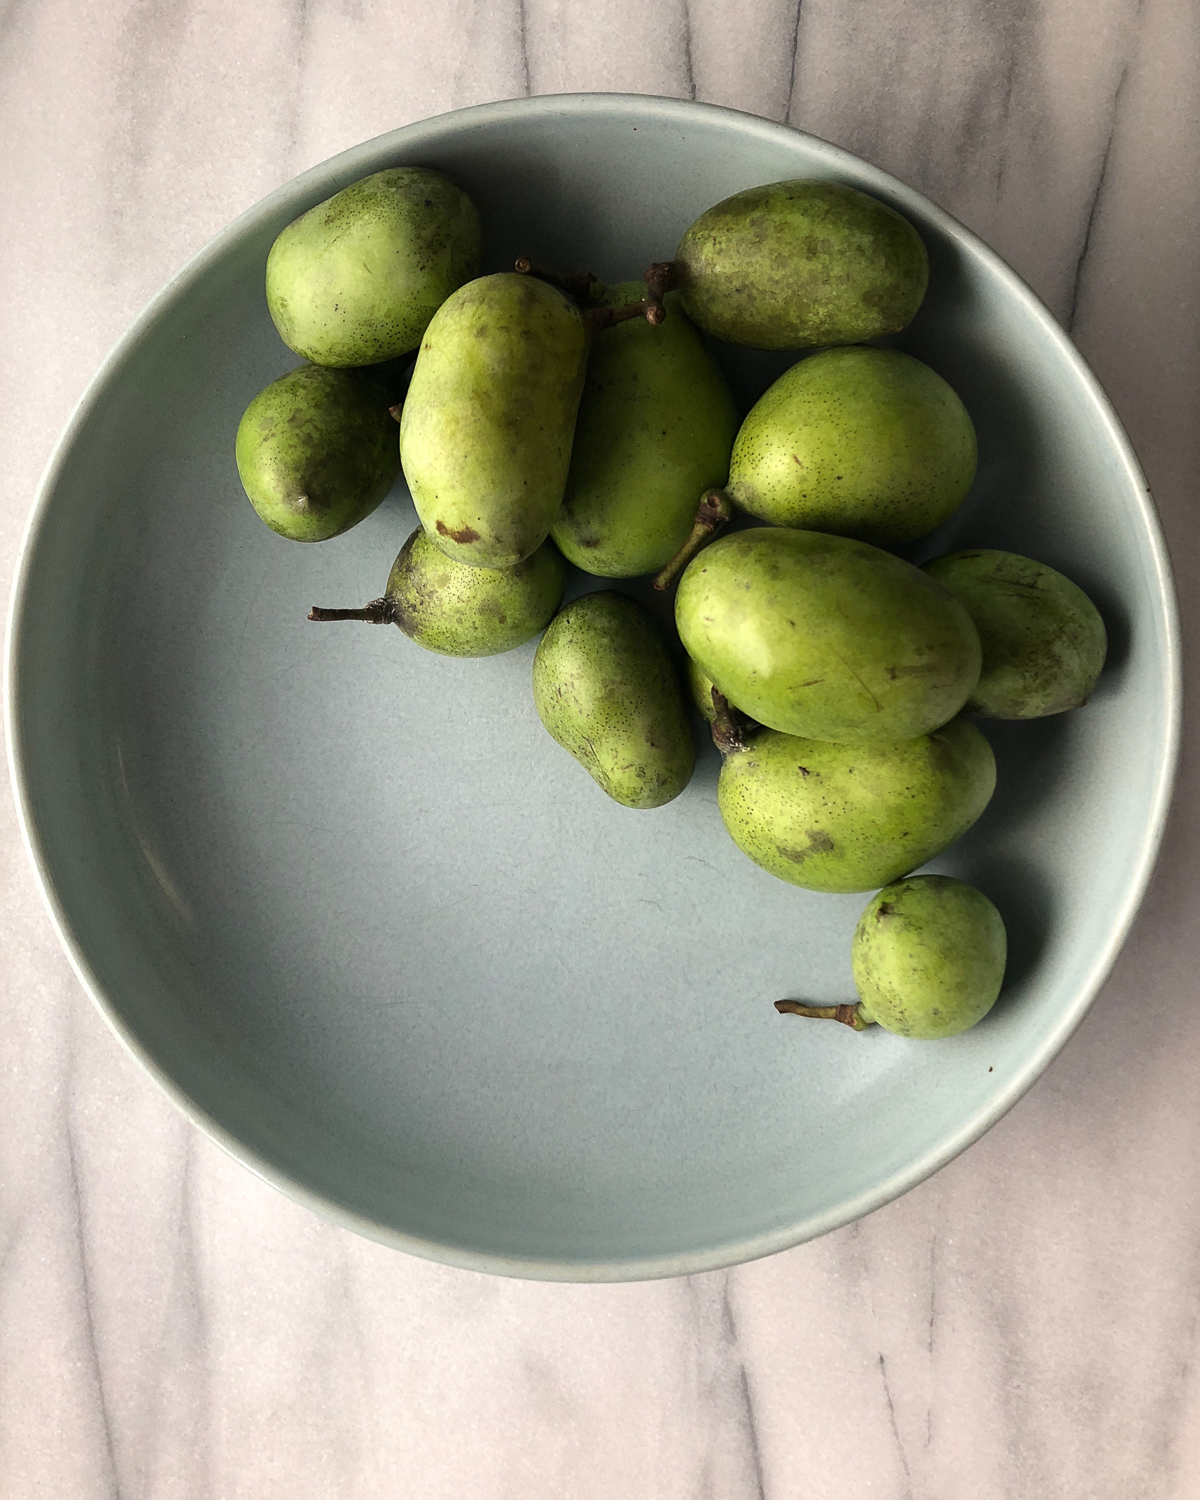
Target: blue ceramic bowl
{"x":380,"y":937}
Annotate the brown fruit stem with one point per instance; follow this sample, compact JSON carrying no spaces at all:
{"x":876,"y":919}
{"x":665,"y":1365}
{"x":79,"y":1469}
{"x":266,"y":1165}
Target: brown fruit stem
{"x":715,"y":509}
{"x":378,"y":612}
{"x":584,"y":286}
{"x":574,"y":283}
{"x":728,"y":726}
{"x":397,"y":411}
{"x":662,"y":277}
{"x":848,"y":1015}
{"x":598,"y":318}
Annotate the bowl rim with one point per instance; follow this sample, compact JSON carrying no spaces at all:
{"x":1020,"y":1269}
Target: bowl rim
{"x":730,"y":1252}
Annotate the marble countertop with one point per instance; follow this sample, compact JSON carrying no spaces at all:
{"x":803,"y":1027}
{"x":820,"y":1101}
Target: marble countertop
{"x":1022,"y":1325}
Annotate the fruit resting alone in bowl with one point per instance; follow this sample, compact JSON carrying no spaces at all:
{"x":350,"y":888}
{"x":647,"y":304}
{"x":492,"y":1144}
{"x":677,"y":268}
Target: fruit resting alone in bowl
{"x":356,"y":279}
{"x":825,"y":637}
{"x":928,"y":956}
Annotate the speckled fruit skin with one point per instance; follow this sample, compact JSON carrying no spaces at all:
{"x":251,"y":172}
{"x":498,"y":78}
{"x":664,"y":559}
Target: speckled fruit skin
{"x":928,"y":957}
{"x":795,"y":264}
{"x":655,"y":428}
{"x":852,"y":817}
{"x":356,"y":279}
{"x":316,"y":452}
{"x":606,"y":690}
{"x":485,"y":435}
{"x":456,"y":610}
{"x":1043,"y":640}
{"x":826,"y":637}
{"x":867,"y":443}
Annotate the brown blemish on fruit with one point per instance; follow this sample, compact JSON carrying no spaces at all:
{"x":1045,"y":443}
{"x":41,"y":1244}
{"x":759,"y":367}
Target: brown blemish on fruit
{"x":463,"y":534}
{"x":819,"y":842}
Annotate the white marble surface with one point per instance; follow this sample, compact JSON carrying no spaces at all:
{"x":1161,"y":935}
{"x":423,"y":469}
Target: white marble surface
{"x":1023,"y":1325}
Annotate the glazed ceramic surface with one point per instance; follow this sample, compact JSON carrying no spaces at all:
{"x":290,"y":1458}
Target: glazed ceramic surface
{"x":380,"y":936}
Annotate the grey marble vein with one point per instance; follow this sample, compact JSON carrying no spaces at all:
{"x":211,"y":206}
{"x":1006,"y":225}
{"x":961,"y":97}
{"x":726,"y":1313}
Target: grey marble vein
{"x":1093,"y":207}
{"x":523,"y":45}
{"x":689,"y":67}
{"x":793,"y":51}
{"x":87,"y":1324}
{"x":891,"y":1409}
{"x":731,"y":1463}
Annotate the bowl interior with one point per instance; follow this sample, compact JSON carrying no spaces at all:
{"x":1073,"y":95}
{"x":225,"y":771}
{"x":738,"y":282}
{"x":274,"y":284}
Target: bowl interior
{"x":387,"y":941}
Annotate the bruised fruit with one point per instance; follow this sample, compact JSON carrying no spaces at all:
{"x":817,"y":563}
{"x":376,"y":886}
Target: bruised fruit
{"x":486,"y":431}
{"x":833,"y":817}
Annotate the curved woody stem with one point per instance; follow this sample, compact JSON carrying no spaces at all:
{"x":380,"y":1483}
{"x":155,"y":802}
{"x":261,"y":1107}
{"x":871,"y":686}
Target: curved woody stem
{"x":715,"y":509}
{"x":662,"y":277}
{"x":728,"y":726}
{"x":848,"y":1015}
{"x":575,"y":283}
{"x":378,"y":612}
{"x":598,"y":318}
